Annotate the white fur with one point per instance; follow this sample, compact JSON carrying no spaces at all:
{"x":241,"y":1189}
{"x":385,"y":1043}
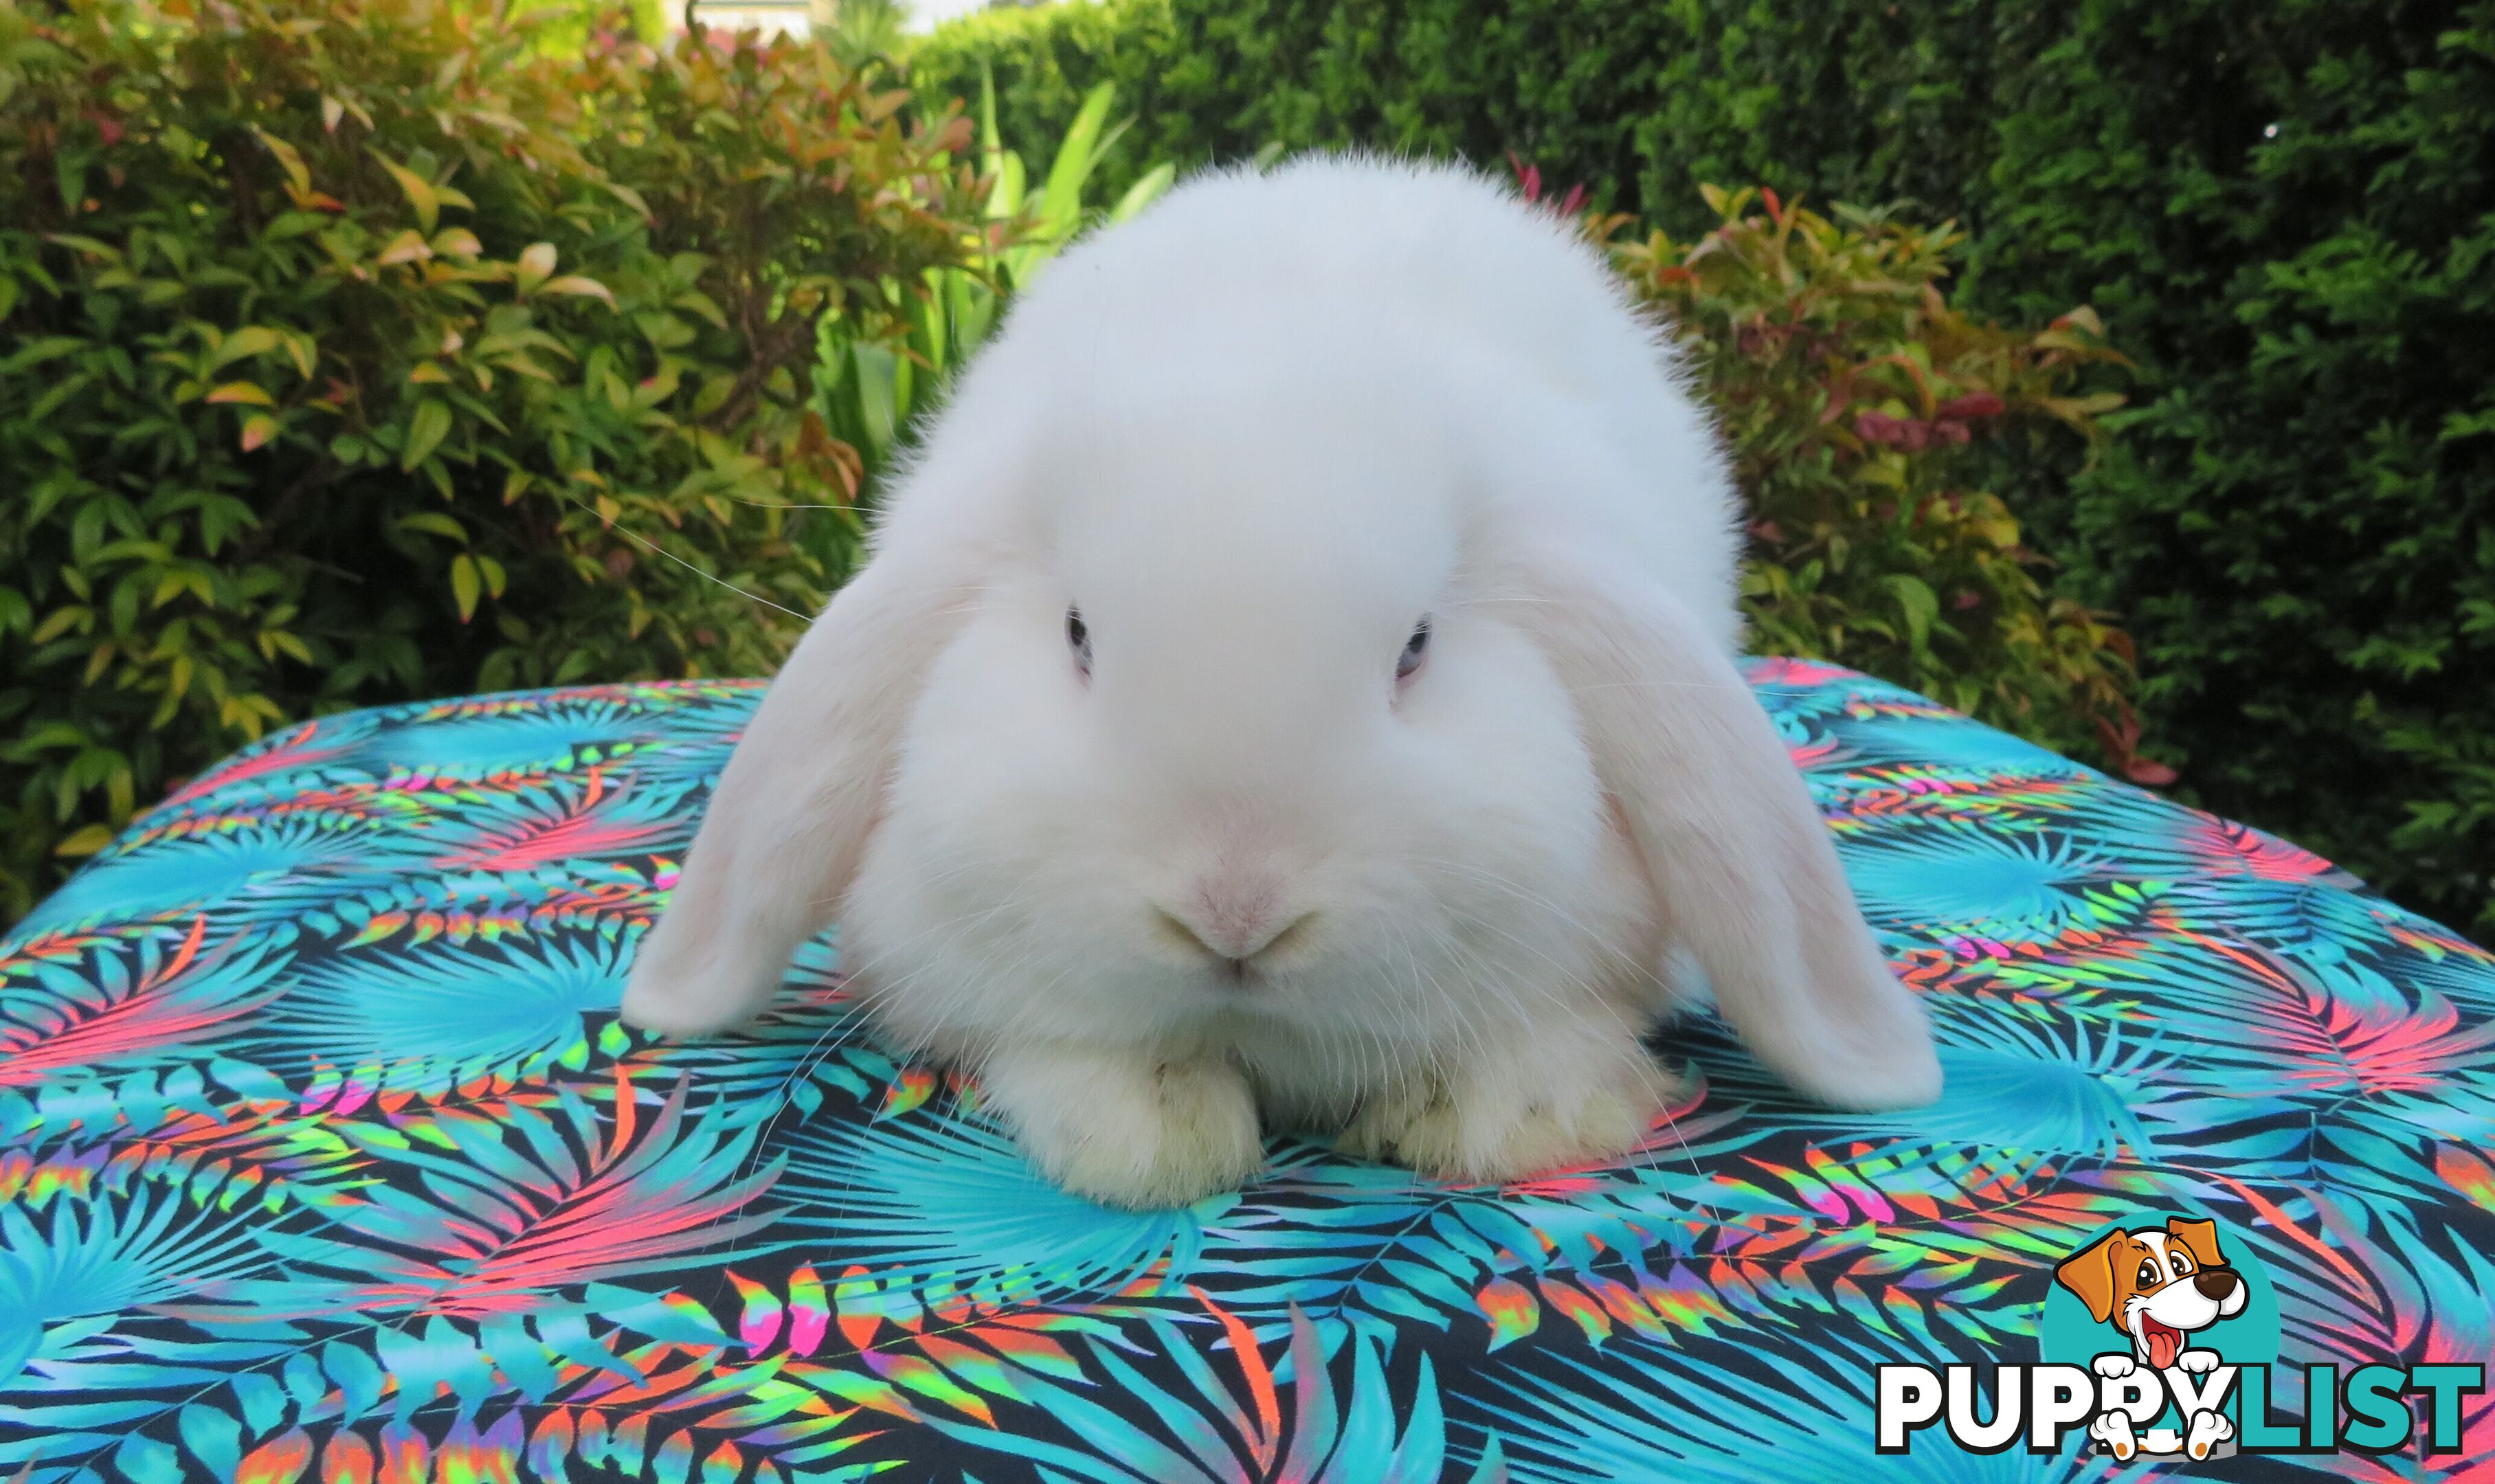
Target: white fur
{"x":1255,"y":435}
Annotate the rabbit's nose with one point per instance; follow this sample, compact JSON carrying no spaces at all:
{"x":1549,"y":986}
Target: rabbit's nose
{"x":1234,"y":920}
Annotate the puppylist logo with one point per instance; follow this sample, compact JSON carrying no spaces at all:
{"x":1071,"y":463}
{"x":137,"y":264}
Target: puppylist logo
{"x":2161,"y":1342}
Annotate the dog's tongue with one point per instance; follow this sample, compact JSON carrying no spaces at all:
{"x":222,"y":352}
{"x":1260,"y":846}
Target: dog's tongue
{"x":2164,"y":1344}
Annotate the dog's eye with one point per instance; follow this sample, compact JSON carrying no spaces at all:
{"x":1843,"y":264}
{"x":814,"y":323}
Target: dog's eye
{"x":2149,"y":1277}
{"x":1415,"y":648}
{"x":2181,"y":1264}
{"x":1079,"y":638}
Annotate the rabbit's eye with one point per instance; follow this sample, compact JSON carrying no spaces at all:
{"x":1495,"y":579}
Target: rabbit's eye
{"x":1415,"y":648}
{"x":1079,"y":638}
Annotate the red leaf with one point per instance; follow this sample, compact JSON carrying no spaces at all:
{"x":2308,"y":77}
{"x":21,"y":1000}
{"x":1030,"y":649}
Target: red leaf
{"x":2123,"y":744}
{"x":1893,"y":432}
{"x":1966,"y":409}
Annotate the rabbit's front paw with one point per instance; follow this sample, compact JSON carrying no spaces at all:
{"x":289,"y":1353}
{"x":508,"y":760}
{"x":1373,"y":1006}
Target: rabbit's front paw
{"x":1125,"y":1129}
{"x":700,"y":1000}
{"x":1519,"y":1111}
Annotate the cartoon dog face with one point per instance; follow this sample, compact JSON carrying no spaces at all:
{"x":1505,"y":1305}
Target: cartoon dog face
{"x":2156,"y":1287}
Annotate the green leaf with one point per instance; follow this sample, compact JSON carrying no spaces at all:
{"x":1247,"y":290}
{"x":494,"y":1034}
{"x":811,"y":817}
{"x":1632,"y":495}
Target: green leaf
{"x":1154,"y":183}
{"x":290,"y":160}
{"x":424,"y":433}
{"x":574,"y":283}
{"x":86,"y":841}
{"x":533,"y":268}
{"x":437,"y":523}
{"x":466,"y":583}
{"x":36,"y":352}
{"x":420,"y":192}
{"x":61,"y":621}
{"x":1061,"y":206}
{"x":1918,"y":602}
{"x":250,"y":340}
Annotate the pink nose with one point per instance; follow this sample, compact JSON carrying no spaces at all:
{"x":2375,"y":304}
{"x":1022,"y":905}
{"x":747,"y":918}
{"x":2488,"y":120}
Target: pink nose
{"x":1233,"y":918}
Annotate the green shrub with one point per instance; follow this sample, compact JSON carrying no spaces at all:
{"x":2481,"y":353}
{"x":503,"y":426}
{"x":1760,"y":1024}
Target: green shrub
{"x":870,"y":391}
{"x":1858,"y":100}
{"x":356,"y":350}
{"x":2289,"y":216}
{"x":2295,"y":515}
{"x":1045,"y":62}
{"x":1856,"y":400}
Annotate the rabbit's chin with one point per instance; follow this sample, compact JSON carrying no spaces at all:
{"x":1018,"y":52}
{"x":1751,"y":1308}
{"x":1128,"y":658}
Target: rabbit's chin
{"x":1404,"y":963}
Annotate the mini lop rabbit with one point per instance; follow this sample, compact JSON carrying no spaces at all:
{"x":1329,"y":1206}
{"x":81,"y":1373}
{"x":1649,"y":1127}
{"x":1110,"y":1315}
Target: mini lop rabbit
{"x":1296,"y":674}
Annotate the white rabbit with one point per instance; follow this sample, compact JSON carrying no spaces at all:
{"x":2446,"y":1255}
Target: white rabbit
{"x":1297,"y":673}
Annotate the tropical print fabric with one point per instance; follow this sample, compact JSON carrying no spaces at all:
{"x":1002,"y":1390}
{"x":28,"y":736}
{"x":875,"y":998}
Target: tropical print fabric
{"x":323,"y":1157}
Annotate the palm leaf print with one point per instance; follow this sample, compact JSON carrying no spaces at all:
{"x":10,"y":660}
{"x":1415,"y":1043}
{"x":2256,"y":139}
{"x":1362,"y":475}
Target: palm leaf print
{"x":542,"y":1194}
{"x":322,"y":1158}
{"x":436,"y":1013}
{"x":55,"y":1019}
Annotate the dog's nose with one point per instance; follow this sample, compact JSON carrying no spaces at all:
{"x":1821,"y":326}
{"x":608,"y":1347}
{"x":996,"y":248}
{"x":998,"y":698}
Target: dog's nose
{"x":2215,"y":1283}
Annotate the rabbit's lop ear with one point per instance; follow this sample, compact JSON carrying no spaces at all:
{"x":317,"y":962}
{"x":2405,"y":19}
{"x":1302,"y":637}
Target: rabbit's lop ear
{"x":1748,"y":878}
{"x":788,"y":819}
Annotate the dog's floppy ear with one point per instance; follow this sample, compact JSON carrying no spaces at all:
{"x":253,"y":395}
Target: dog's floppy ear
{"x":788,"y":819}
{"x":2200,"y":1239}
{"x":1749,"y":879}
{"x":2089,"y":1272}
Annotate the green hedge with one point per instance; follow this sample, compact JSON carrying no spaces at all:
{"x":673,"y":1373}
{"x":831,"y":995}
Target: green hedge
{"x":2283,"y":209}
{"x":2299,"y":519}
{"x":354,"y":350}
{"x":1643,"y":102}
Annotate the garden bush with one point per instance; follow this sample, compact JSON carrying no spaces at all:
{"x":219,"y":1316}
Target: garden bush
{"x":2288,"y":216}
{"x":1858,"y":405}
{"x":1861,"y":100}
{"x":2284,"y":214}
{"x":362,"y":350}
{"x":872,"y":392}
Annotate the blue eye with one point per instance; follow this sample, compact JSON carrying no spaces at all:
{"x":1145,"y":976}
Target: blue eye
{"x":1413,"y":649}
{"x":1079,"y":638}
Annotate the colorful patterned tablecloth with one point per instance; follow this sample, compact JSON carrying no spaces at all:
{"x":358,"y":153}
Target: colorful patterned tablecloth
{"x":323,"y":1157}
